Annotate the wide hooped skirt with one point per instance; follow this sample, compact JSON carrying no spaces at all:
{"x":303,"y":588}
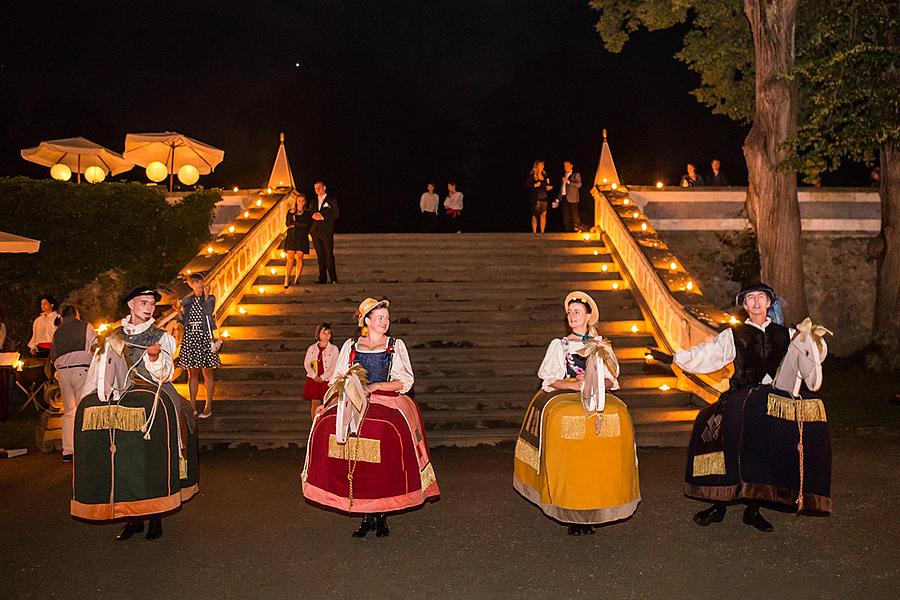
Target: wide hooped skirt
{"x":760,"y":444}
{"x":385,"y":468}
{"x":117,"y":473}
{"x":577,"y":467}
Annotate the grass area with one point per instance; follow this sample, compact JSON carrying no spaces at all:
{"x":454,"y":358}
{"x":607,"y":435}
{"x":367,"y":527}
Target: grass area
{"x":857,"y":397}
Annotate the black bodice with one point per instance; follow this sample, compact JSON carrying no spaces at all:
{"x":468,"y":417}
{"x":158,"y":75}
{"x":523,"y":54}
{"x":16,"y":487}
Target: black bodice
{"x":758,"y":353}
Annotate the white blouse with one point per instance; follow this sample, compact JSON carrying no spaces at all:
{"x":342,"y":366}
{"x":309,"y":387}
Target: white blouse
{"x":329,"y":361}
{"x":42,"y":329}
{"x":715,"y":354}
{"x":401,"y":369}
{"x":553,"y":368}
{"x":454,"y":201}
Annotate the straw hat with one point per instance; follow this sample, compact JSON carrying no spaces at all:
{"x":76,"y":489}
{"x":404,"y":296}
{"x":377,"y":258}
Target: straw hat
{"x":587,"y":300}
{"x":367,"y":306}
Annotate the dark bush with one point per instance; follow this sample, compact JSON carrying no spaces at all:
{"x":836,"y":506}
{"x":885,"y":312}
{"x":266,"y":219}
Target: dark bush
{"x":90,"y":231}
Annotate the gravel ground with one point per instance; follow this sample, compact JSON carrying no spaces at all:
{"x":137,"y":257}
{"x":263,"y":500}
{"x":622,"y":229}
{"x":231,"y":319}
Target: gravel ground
{"x":250,"y":534}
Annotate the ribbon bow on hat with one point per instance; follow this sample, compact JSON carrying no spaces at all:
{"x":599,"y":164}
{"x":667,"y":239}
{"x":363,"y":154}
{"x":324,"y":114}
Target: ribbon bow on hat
{"x":601,"y":360}
{"x":808,"y":329}
{"x":352,"y":401}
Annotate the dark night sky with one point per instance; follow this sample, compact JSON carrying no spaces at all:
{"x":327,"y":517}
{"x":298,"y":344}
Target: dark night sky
{"x":388,"y":95}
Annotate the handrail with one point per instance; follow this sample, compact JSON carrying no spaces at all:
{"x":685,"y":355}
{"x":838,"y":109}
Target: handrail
{"x":227,"y":277}
{"x":678,"y":328}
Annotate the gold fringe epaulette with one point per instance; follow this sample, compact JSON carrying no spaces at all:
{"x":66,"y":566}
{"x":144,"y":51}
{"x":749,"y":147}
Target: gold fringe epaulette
{"x":709,"y":464}
{"x":791,"y":409}
{"x":361,"y":449}
{"x":114,"y":416}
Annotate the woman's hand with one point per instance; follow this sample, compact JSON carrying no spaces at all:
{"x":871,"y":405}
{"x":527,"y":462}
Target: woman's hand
{"x":580,"y":377}
{"x":372,"y":388}
{"x":318,"y":217}
{"x":537,"y":184}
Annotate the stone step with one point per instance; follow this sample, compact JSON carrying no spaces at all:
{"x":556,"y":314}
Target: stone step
{"x":451,"y":356}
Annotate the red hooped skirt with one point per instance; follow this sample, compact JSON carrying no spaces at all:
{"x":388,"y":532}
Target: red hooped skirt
{"x":388,"y":462}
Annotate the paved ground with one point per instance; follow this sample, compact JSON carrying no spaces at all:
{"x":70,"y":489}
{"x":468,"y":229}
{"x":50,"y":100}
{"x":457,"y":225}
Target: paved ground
{"x":250,"y":535}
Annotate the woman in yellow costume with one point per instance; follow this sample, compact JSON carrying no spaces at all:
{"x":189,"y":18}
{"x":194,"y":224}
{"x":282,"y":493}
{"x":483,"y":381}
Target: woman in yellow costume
{"x":575,"y":456}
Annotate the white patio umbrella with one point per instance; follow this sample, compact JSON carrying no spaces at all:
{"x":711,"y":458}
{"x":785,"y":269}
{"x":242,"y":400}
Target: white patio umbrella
{"x":9,"y":242}
{"x":78,"y":154}
{"x":174,"y":150}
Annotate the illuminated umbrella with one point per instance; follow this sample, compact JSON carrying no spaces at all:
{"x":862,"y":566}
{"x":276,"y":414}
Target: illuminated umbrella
{"x":10,"y":242}
{"x":173,"y":150}
{"x":78,"y":154}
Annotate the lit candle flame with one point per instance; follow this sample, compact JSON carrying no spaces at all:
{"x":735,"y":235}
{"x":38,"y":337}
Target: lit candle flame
{"x":665,"y":387}
{"x":235,"y":188}
{"x":262,"y":290}
{"x":246,"y":214}
{"x":643,"y":227}
{"x":615,"y":285}
{"x":283,"y":254}
{"x":209,"y":249}
{"x":659,"y":185}
{"x":242,"y":310}
{"x":690,"y":285}
{"x":673,"y":265}
{"x":259,"y":202}
{"x":225,"y":334}
{"x":604,"y":268}
{"x":634,"y":329}
{"x":614,"y":185}
{"x":626,"y":201}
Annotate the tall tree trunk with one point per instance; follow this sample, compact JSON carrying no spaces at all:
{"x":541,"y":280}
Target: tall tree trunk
{"x":886,"y":328}
{"x":772,"y":194}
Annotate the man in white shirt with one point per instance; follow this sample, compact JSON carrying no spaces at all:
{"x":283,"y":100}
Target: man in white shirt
{"x":428,"y":206}
{"x":322,"y":232}
{"x":71,"y":354}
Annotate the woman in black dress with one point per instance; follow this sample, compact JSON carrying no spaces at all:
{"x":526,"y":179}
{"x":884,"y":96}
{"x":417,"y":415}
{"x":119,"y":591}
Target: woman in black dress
{"x":296,"y":241}
{"x":538,"y":184}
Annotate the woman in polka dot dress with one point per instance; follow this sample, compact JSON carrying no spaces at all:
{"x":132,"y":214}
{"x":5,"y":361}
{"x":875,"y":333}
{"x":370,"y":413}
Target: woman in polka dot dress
{"x":199,"y":348}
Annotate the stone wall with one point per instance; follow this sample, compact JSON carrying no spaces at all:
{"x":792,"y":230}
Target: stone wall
{"x":840,"y":282}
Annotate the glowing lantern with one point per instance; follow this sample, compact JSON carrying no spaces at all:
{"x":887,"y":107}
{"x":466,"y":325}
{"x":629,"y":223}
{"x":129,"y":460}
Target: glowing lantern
{"x":626,"y":201}
{"x":604,"y":268}
{"x":596,"y":252}
{"x":189,"y":271}
{"x":60,"y":172}
{"x":262,"y":290}
{"x":690,"y":285}
{"x":282,"y":254}
{"x":733,"y":320}
{"x":604,"y":181}
{"x":634,"y":329}
{"x":94,"y":174}
{"x":635,"y":215}
{"x":587,"y":237}
{"x":242,"y":310}
{"x":659,"y":185}
{"x":246,"y":214}
{"x":156,"y":171}
{"x":235,"y":188}
{"x":188,"y":175}
{"x":665,"y":387}
{"x":643,"y":227}
{"x":259,"y":202}
{"x":615,"y":285}
{"x":268,"y":190}
{"x":673,"y":265}
{"x":231,"y":229}
{"x":102,"y":327}
{"x":614,"y":185}
{"x":273,"y":270}
{"x":225,"y":334}
{"x":648,"y":357}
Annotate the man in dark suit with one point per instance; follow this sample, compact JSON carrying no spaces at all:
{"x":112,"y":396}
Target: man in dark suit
{"x":322,"y":232}
{"x":570,"y":196}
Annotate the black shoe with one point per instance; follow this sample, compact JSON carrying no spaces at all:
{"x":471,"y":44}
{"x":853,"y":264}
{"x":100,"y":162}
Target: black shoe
{"x":381,"y":528}
{"x":154,"y":528}
{"x":367,"y":525}
{"x":713,"y":514}
{"x":320,"y":281}
{"x":67,"y":458}
{"x":754,"y":519}
{"x":587,"y":529}
{"x":574,"y":530}
{"x":132,"y":526}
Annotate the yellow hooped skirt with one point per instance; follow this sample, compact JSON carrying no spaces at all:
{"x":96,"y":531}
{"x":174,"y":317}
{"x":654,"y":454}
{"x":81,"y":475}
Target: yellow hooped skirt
{"x":577,"y":467}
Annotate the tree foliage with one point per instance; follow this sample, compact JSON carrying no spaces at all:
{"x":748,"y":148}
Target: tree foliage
{"x":848,"y":68}
{"x":90,"y":230}
{"x":718,"y":45}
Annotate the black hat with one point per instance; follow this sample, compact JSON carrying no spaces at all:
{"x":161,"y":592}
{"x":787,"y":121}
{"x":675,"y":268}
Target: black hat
{"x":755,"y":287}
{"x":142,"y":290}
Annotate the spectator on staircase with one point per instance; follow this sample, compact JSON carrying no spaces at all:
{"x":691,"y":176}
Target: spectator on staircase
{"x":296,"y":241}
{"x":538,"y":185}
{"x":199,"y":348}
{"x":43,"y":327}
{"x":428,"y":206}
{"x":717,"y":178}
{"x":692,"y":178}
{"x":453,"y":205}
{"x":321,"y":358}
{"x":570,"y":197}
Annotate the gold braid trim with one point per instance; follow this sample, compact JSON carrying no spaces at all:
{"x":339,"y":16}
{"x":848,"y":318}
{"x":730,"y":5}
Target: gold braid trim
{"x":362,"y":449}
{"x":606,"y":426}
{"x":528,"y":454}
{"x":790,"y":409}
{"x":573,"y":428}
{"x":427,"y":476}
{"x":709,"y":464}
{"x":113,"y":416}
{"x":182,"y":467}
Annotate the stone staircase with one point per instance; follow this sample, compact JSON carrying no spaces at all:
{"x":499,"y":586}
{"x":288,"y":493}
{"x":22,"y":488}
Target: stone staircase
{"x":476,"y":312}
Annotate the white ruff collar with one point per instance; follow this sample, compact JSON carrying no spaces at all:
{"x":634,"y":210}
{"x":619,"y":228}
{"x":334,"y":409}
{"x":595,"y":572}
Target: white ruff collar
{"x":135,"y":329}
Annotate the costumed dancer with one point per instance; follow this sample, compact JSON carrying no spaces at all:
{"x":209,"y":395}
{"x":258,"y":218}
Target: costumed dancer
{"x":136,"y":447}
{"x":575,"y":456}
{"x":765,"y":439}
{"x":367,"y":452}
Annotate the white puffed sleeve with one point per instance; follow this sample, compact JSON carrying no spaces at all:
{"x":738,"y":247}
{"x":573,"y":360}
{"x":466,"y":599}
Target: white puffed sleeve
{"x":708,"y":357}
{"x":401,"y":369}
{"x":553,"y":368}
{"x":343,"y":361}
{"x":163,"y":367}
